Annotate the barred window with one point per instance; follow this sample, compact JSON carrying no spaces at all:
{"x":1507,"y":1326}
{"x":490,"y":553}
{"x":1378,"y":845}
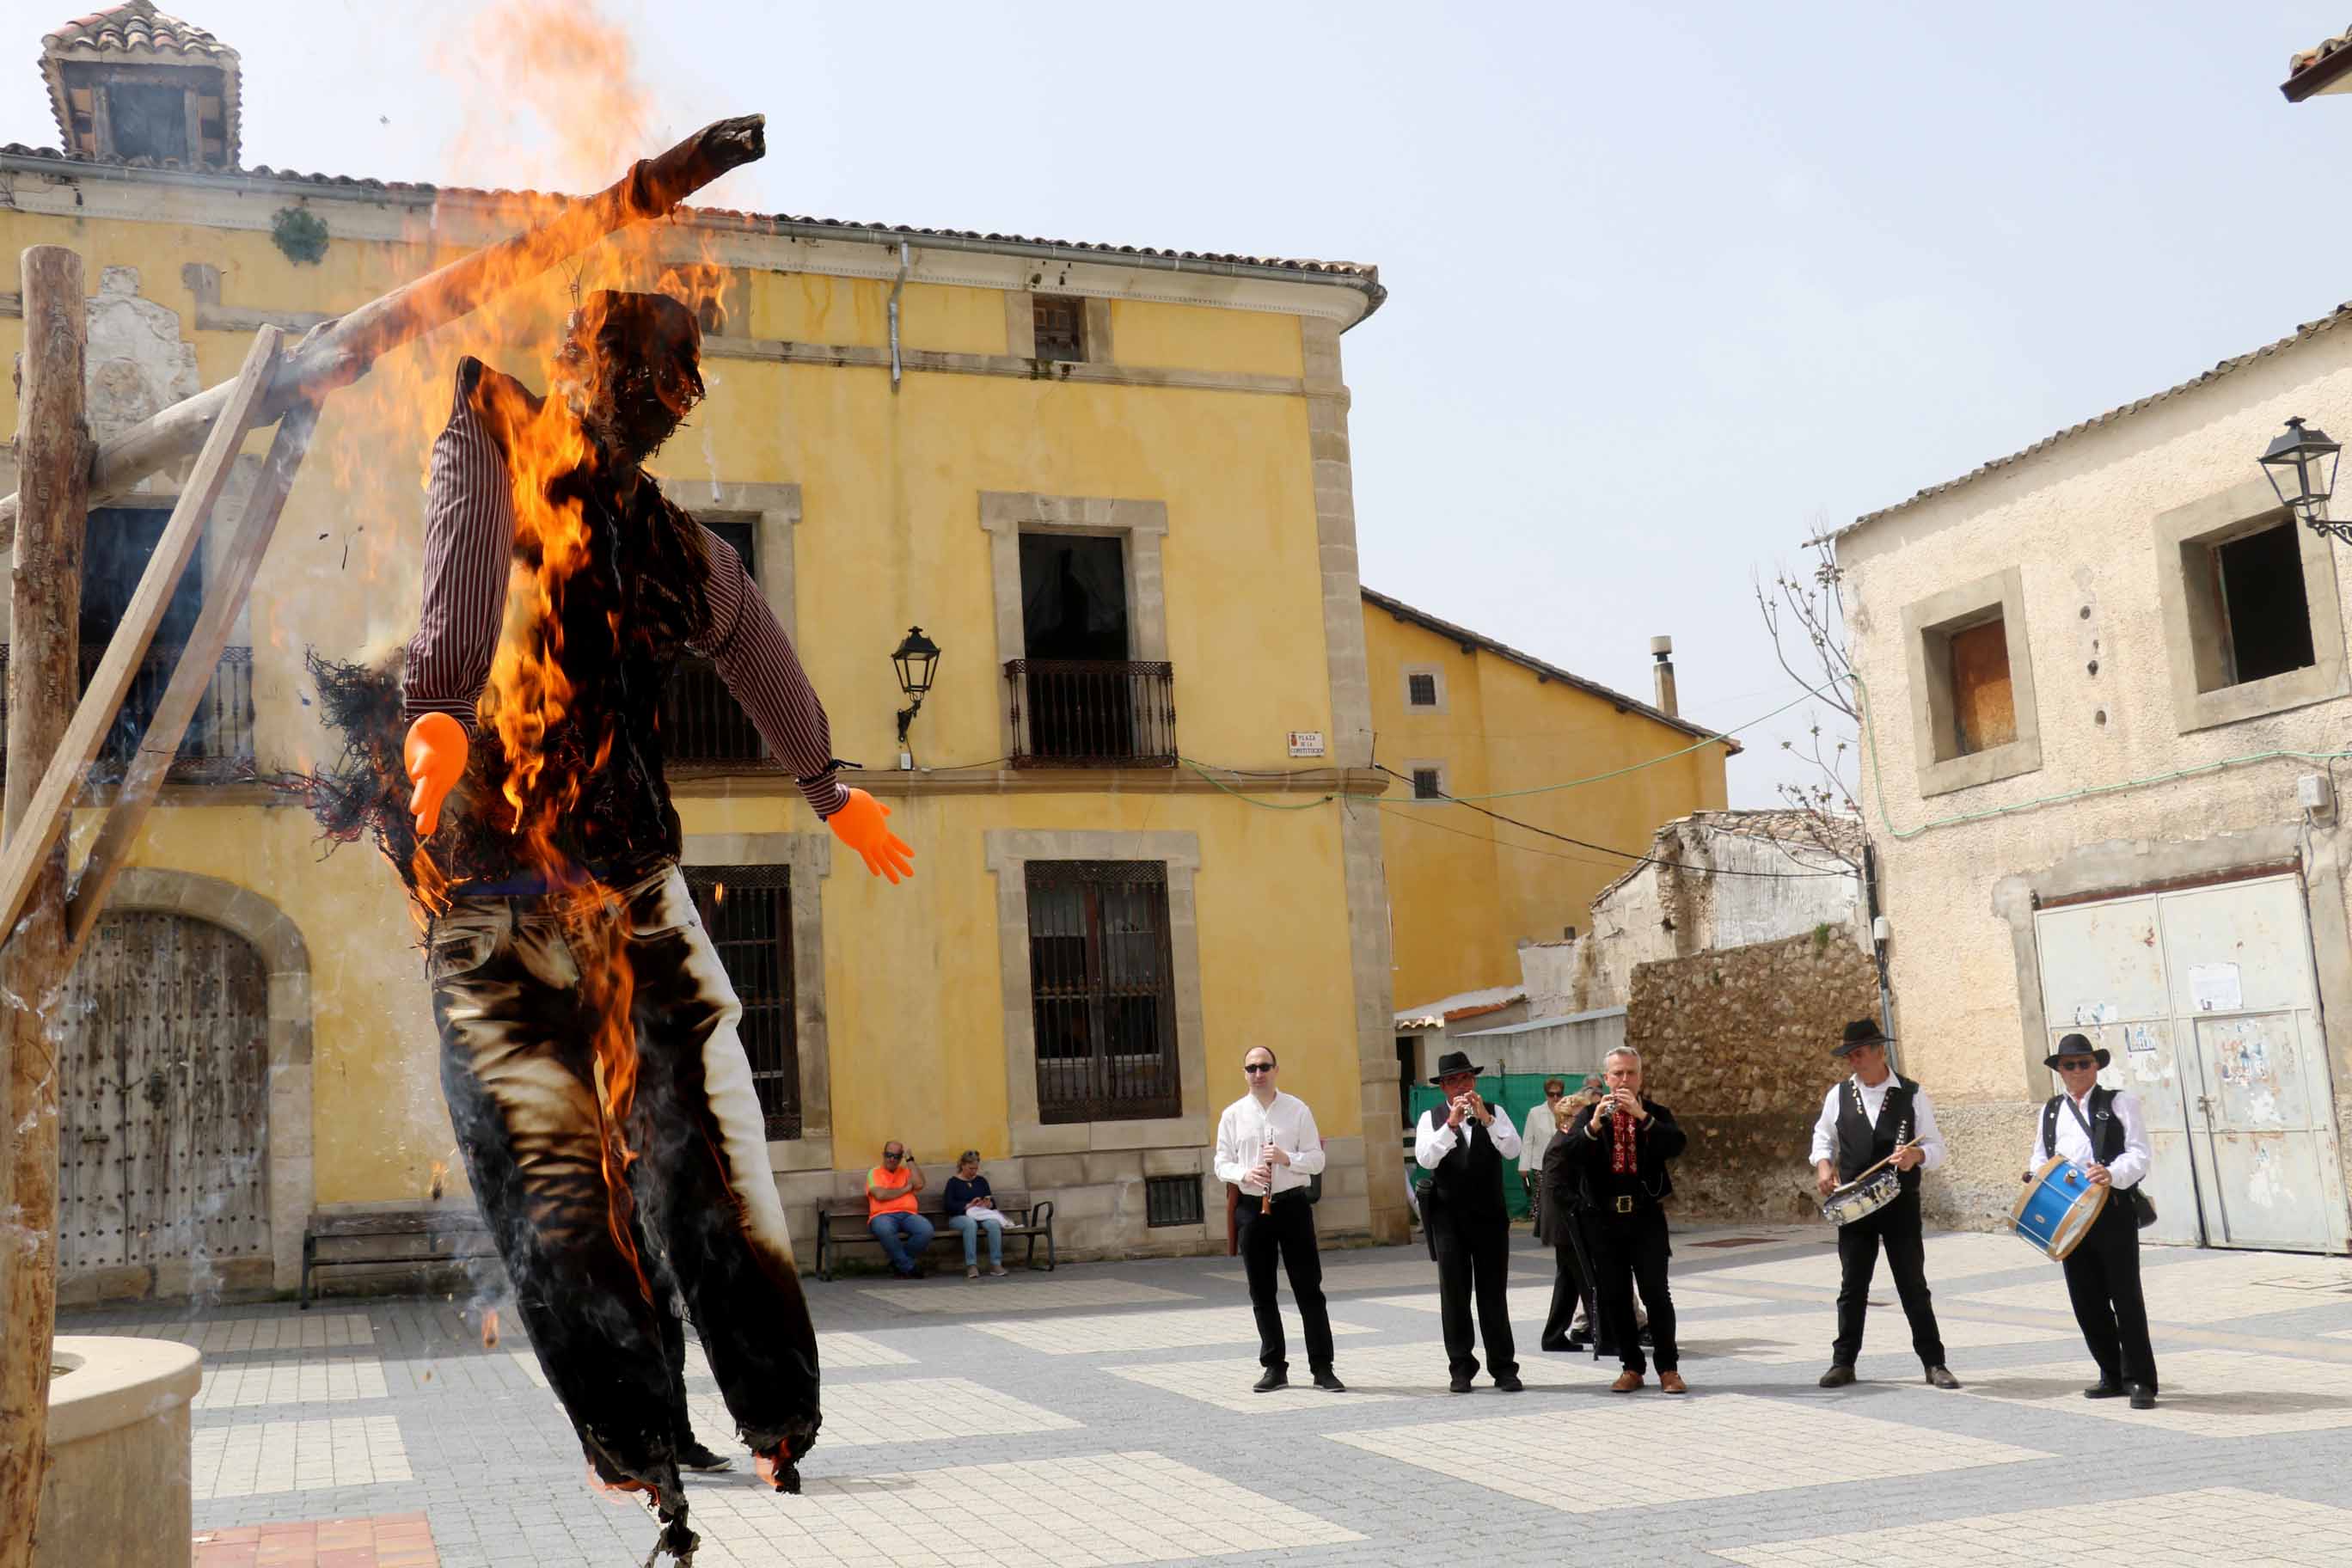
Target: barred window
{"x":1421,"y":689}
{"x":702,"y":725}
{"x":1060,"y":328}
{"x":1102,"y":990}
{"x":1427,"y":785}
{"x":748,"y":912}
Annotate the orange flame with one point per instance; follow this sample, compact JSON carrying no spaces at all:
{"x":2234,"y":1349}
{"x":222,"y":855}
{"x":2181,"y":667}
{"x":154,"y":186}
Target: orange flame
{"x":490,"y":1328}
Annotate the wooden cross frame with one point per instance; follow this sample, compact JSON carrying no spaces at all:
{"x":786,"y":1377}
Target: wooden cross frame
{"x":44,"y":923}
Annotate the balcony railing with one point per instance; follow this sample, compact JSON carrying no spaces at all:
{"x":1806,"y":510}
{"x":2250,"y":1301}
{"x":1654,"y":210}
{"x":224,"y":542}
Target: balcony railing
{"x":219,"y":746}
{"x":1092,"y":713}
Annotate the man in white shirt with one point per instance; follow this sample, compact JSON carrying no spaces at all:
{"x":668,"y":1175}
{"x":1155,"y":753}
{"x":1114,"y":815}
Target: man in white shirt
{"x":1462,"y":1144}
{"x":1874,"y":1116}
{"x":1267,"y":1146}
{"x":2104,"y":1131}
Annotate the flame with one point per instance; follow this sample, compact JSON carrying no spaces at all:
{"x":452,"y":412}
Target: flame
{"x":490,"y":1328}
{"x":440,"y":1174}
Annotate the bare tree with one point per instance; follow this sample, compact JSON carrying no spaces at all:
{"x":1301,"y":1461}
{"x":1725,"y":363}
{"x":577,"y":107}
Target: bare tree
{"x":1803,"y":615}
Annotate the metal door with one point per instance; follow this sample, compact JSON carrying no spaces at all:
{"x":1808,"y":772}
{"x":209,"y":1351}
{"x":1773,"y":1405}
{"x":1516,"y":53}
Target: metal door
{"x":2206,"y":1000}
{"x":164,"y":1099}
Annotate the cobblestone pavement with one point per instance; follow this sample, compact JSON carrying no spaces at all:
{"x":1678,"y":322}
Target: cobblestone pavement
{"x":1102,"y":1415}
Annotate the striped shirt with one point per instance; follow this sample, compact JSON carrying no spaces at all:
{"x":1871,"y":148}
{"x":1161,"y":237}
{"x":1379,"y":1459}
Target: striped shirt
{"x":470,"y":537}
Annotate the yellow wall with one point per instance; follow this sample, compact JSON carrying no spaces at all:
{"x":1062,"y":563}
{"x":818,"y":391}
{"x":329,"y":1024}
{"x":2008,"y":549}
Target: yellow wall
{"x":889,"y":536}
{"x":1464,"y":889}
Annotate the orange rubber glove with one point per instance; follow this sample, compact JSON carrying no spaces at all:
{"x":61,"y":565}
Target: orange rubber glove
{"x":859,"y":824}
{"x":435,"y":754}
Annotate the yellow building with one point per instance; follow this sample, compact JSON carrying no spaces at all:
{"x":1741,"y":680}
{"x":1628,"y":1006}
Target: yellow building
{"x":1461,"y":715}
{"x":1112,"y":486}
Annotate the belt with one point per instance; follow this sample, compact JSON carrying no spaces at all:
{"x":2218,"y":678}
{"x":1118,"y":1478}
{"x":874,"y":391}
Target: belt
{"x":1623,"y":1203}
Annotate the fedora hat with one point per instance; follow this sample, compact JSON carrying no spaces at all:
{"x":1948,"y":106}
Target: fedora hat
{"x":2076,"y":1045}
{"x":1860,"y":1032}
{"x":1453,"y":1062}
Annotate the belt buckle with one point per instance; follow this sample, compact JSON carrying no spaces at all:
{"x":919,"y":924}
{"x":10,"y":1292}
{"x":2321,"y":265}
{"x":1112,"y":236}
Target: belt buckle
{"x":1624,"y":1202}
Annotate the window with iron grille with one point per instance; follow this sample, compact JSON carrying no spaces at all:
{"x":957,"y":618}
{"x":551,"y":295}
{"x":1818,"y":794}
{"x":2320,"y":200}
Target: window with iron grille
{"x":1426,"y":784}
{"x":1060,"y":328}
{"x":1171,"y":1200}
{"x":748,"y":912}
{"x":701,"y":723}
{"x":1102,"y":990}
{"x":1420,"y":690}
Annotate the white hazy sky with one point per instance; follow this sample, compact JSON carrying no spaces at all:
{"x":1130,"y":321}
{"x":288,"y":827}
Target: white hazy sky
{"x":1670,"y":283}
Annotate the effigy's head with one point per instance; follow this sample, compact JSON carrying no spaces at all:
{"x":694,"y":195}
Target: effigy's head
{"x":630,"y":368}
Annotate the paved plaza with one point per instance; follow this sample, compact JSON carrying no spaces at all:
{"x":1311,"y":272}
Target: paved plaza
{"x":1102,"y":1415}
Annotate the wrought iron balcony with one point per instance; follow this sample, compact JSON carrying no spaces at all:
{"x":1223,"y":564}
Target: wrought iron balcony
{"x":1092,"y":713}
{"x":219,"y":746}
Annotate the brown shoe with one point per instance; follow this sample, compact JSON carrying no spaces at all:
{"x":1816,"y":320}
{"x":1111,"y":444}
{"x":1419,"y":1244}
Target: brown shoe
{"x":1627,"y":1381}
{"x":1672,"y":1382}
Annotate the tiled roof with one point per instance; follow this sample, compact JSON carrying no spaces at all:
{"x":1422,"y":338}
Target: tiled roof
{"x":1469,"y":639}
{"x":1361,"y":276}
{"x":2312,"y":71}
{"x":1461,"y":1005}
{"x":135,"y":28}
{"x":2327,"y":323}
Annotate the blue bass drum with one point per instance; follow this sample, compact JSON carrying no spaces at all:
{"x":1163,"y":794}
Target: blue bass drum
{"x":2056,"y":1210}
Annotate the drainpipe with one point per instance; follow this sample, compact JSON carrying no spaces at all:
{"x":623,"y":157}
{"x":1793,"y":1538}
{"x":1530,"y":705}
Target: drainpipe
{"x":897,"y":284}
{"x":1878,"y":935}
{"x":1662,"y":650}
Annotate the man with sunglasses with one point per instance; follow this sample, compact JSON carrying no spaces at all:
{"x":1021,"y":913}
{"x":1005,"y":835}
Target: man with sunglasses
{"x":2104,"y":1133}
{"x":1267,"y":1146}
{"x":893,"y":1190}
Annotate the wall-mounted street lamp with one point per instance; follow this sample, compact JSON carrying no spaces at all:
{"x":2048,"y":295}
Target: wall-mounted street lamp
{"x":917,"y":658}
{"x":2301,"y":467}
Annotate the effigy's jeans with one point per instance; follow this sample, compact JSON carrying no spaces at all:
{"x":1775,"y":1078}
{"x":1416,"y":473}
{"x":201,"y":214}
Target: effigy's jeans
{"x":520,"y":987}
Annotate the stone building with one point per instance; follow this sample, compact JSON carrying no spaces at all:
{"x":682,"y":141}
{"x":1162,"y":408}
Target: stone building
{"x":906,"y":428}
{"x":2105,"y":701}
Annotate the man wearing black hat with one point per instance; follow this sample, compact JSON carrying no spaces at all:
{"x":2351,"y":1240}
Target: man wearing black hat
{"x":2103,"y":1130}
{"x":1463,"y":1144}
{"x":1876,"y":1116}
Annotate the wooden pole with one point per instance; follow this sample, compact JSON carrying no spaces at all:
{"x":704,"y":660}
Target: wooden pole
{"x":337,"y":352}
{"x":53,"y":456}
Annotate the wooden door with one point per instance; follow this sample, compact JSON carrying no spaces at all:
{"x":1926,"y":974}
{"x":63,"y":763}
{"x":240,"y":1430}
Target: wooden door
{"x":163,"y":1136}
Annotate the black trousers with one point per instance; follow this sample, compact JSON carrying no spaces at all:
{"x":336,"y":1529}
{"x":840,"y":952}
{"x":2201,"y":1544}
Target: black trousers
{"x":1897,"y":1228}
{"x":1570,"y":1289}
{"x":1630,"y":1253}
{"x":1473,"y":1253}
{"x":2103,"y":1281}
{"x":1285,"y":1231}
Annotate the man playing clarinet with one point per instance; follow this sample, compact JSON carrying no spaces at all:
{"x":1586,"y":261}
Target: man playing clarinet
{"x":1876,"y":1116}
{"x":1267,"y":1146}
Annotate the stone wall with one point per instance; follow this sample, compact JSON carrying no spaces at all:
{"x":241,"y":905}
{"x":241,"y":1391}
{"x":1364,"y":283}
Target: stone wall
{"x":1737,"y":1043}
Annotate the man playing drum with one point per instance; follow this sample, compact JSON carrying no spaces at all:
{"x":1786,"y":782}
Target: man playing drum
{"x":2102,"y":1131}
{"x":1874,"y":1116}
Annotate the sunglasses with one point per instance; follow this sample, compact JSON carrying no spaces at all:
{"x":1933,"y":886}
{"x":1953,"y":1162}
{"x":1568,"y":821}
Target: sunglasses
{"x":2076,"y":1064}
{"x":1257,"y":1066}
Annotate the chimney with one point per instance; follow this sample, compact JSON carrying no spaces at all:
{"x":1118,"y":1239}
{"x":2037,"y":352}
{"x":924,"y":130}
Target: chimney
{"x":1662,"y":650}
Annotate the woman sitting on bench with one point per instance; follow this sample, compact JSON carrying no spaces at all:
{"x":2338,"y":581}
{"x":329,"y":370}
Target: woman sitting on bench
{"x":972,"y":1209}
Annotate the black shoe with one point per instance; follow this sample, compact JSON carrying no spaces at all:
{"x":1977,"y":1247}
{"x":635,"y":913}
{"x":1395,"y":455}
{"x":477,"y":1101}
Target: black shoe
{"x":1273,"y":1380}
{"x":695,"y":1456}
{"x":2143,"y":1398}
{"x":1510,"y":1382}
{"x":2103,"y":1389}
{"x":1329,"y":1381}
{"x":1838,"y":1375}
{"x":1645,"y":1335}
{"x":1577,"y":1339}
{"x":1458,"y":1385}
{"x":1555,"y":1346}
{"x":1942,"y":1377}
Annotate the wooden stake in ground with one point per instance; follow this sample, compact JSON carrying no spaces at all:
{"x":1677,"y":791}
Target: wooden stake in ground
{"x":52,"y":457}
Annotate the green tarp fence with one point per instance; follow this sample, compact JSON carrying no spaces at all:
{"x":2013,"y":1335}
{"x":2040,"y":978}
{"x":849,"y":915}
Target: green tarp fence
{"x":1515,"y":1092}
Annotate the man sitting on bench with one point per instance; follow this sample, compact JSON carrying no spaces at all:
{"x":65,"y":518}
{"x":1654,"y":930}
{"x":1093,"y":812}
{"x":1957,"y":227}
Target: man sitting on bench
{"x":892,"y":1190}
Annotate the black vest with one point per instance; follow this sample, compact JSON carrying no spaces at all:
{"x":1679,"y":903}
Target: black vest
{"x":1861,"y":1144}
{"x":2106,"y":1127}
{"x":1469,"y":1180}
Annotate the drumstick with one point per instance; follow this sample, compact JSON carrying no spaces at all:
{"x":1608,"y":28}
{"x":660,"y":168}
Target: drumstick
{"x":1883,"y":1163}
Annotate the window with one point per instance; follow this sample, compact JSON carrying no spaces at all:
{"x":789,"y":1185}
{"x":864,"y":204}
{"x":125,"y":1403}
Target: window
{"x":2254,"y":611}
{"x":1079,"y":699}
{"x":1171,"y":1200}
{"x":1420,"y":690}
{"x":1060,"y":328}
{"x":701,"y":723}
{"x":1984,"y":710}
{"x":150,"y":120}
{"x":1102,"y":991}
{"x":747,"y":910}
{"x":1427,"y":785}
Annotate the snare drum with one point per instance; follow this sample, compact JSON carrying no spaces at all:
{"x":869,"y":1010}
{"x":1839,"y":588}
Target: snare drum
{"x":2057,"y":1209}
{"x":1864,"y":1196}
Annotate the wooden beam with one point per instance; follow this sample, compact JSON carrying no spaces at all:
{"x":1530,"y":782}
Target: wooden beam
{"x":337,"y":352}
{"x":53,"y":451}
{"x":44,"y":822}
{"x":225,"y":597}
